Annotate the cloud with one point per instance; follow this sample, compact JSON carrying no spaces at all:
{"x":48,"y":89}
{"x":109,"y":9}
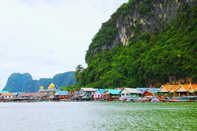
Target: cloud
{"x":45,"y":37}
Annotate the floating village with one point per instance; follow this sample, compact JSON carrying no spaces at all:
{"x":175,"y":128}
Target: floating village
{"x":166,"y":93}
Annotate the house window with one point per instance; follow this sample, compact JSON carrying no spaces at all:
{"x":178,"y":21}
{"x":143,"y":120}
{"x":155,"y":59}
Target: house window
{"x":127,"y":94}
{"x":122,"y":94}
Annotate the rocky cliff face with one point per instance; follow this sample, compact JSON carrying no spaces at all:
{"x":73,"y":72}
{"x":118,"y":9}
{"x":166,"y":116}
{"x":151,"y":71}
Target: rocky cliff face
{"x":145,"y":43}
{"x":149,"y":16}
{"x":134,"y":18}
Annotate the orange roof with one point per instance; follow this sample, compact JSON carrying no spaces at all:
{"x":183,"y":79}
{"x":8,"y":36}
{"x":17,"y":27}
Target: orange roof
{"x":183,"y":88}
{"x":193,"y":88}
{"x":7,"y":94}
{"x":186,"y":87}
{"x":165,"y":88}
{"x":173,"y":88}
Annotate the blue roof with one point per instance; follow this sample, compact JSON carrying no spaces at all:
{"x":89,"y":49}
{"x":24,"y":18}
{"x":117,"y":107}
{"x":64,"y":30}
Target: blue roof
{"x":15,"y":94}
{"x":113,"y":91}
{"x":100,"y":91}
{"x":62,"y":92}
{"x":152,"y":90}
{"x":155,"y":92}
{"x":4,"y":92}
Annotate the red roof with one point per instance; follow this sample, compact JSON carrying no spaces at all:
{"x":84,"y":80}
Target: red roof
{"x":118,"y":88}
{"x":147,"y":93}
{"x":73,"y":92}
{"x":7,"y":94}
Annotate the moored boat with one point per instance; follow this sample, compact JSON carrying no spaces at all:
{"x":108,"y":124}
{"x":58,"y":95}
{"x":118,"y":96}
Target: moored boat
{"x":175,"y":99}
{"x":179,"y":100}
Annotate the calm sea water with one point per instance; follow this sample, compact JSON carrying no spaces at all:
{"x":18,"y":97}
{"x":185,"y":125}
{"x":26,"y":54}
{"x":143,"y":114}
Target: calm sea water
{"x":97,"y":116}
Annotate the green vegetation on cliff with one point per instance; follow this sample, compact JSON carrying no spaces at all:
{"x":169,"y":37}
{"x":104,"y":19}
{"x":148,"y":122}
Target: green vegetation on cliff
{"x":24,"y":82}
{"x":157,"y":56}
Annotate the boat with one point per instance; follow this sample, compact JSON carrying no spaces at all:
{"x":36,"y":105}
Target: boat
{"x":175,"y":99}
{"x":178,"y":100}
{"x":144,"y":99}
{"x":155,"y":99}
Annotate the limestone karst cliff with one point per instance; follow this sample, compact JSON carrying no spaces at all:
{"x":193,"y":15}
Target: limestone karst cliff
{"x":134,"y":18}
{"x":144,"y":43}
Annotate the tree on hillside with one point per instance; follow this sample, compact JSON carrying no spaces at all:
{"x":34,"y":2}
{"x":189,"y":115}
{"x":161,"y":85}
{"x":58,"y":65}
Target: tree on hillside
{"x":79,"y":70}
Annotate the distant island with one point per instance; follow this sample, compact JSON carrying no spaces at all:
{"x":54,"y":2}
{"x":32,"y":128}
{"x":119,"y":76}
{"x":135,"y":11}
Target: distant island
{"x":24,"y":82}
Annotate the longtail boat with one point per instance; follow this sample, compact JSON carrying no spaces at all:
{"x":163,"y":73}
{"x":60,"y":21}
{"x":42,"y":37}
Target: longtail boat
{"x":179,"y":100}
{"x":175,"y":100}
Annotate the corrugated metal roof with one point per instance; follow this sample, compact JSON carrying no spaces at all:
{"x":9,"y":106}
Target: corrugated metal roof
{"x":133,"y":91}
{"x":88,"y":89}
{"x":152,"y":90}
{"x":24,"y":94}
{"x":62,"y":92}
{"x":142,"y":89}
{"x":149,"y":89}
{"x":31,"y":94}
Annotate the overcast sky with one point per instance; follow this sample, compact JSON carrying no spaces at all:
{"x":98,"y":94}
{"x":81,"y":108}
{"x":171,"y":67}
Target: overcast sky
{"x":46,"y":37}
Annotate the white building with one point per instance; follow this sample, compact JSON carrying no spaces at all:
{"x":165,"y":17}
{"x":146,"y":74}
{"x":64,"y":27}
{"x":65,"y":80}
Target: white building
{"x":130,"y":92}
{"x":86,"y":93}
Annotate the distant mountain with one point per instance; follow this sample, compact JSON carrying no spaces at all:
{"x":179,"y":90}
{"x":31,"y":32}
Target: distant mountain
{"x":24,"y":83}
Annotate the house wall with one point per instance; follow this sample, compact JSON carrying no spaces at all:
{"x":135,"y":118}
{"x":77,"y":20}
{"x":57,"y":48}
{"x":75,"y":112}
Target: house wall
{"x":89,"y":93}
{"x":181,"y":89}
{"x":63,"y":96}
{"x":97,"y":95}
{"x":81,"y":92}
{"x":148,"y":94}
{"x":23,"y":97}
{"x":125,"y":93}
{"x":8,"y":97}
{"x":106,"y":95}
{"x":115,"y":96}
